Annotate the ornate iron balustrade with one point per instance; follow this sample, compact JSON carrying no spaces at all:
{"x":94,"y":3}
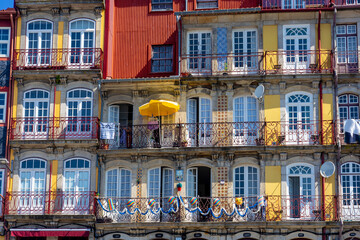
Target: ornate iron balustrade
{"x":72,"y":58}
{"x":49,"y":203}
{"x":288,"y":5}
{"x":273,"y":208}
{"x":43,"y":128}
{"x":260,"y":63}
{"x":222,"y":134}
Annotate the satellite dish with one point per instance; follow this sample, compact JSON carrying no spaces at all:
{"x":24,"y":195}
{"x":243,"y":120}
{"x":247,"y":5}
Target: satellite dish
{"x":327,"y":169}
{"x":259,"y":92}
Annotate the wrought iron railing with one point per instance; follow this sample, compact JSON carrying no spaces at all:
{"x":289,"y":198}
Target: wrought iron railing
{"x":222,"y":134}
{"x":72,"y":58}
{"x":268,"y":62}
{"x":49,"y":203}
{"x":287,"y":5}
{"x":202,"y":209}
{"x":43,"y":128}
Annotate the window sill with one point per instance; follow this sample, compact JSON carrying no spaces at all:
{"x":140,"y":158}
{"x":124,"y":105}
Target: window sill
{"x":162,"y":11}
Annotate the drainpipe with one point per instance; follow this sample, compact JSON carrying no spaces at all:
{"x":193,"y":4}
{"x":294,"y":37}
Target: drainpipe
{"x":186,"y":5}
{"x":54,"y":111}
{"x":178,"y":23}
{"x":319,"y":39}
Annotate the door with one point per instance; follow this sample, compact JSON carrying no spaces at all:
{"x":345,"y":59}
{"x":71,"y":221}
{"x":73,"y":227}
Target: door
{"x":80,"y":122}
{"x":82,"y":34}
{"x":77,"y":186}
{"x":122,"y":116}
{"x":36,"y":107}
{"x":199,"y":127}
{"x":32,"y":187}
{"x":245,"y":126}
{"x":39,"y":43}
{"x":245,"y":51}
{"x":301,"y":203}
{"x":350,"y":187}
{"x":296,"y":45}
{"x":300,"y":128}
{"x":199,"y":52}
{"x":347,"y":50}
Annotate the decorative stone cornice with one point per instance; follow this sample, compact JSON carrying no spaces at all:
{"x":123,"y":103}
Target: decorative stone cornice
{"x":55,"y":11}
{"x":97,"y":11}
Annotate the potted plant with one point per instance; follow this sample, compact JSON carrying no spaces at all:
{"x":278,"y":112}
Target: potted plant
{"x":183,"y":143}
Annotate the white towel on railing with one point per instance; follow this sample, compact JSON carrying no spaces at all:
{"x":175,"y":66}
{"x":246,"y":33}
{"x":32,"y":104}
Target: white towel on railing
{"x":107,"y":130}
{"x":352,"y":131}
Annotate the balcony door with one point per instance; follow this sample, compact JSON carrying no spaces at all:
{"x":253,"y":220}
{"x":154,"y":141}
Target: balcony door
{"x":199,"y":186}
{"x":76,"y":186}
{"x":160,"y":188}
{"x":39,"y":43}
{"x":199,"y":52}
{"x":245,"y":51}
{"x":82,"y":43}
{"x":31,"y":199}
{"x":79,"y":111}
{"x":299,"y":128}
{"x":347,"y":48}
{"x":296,"y":46}
{"x":122,"y":116}
{"x":350,"y":190}
{"x":199,"y":127}
{"x":36,"y":114}
{"x":301,"y":203}
{"x":245,"y":125}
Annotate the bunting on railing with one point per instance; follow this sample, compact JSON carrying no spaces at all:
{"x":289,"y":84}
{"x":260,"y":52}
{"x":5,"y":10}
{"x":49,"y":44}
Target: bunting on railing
{"x":190,"y":206}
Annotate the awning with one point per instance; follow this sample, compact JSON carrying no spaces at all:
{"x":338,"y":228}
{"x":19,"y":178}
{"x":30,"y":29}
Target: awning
{"x":159,"y":108}
{"x":50,"y":232}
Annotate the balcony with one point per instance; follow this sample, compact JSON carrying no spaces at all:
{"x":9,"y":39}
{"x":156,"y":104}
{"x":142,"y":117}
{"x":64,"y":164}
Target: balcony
{"x":288,"y":5}
{"x":347,"y":61}
{"x":261,"y":63}
{"x":58,"y":59}
{"x":49,"y":203}
{"x":226,"y":134}
{"x":48,"y":128}
{"x":249,"y":209}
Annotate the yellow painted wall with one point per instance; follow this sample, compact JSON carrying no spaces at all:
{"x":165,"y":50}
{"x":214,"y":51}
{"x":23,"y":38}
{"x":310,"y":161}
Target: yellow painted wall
{"x":57,"y":108}
{"x":60,"y":40}
{"x":330,"y":201}
{"x":18,"y":33}
{"x":273,"y":192}
{"x":54,"y":172}
{"x":272,"y":117}
{"x":102,"y":29}
{"x":328,"y":129}
{"x":270,"y":44}
{"x":15,"y":99}
{"x":325,"y":37}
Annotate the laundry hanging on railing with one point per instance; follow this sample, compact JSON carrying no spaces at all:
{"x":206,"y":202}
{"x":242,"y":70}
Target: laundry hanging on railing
{"x":190,"y":206}
{"x":352,"y":131}
{"x":107,"y":130}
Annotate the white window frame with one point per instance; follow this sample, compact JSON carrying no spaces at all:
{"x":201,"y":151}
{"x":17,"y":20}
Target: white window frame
{"x":307,"y":37}
{"x":206,"y":1}
{"x":4,"y":107}
{"x":161,"y":181}
{"x":245,"y":31}
{"x":82,"y":31}
{"x":79,"y":100}
{"x":118,"y":181}
{"x":311,"y":175}
{"x":7,"y":42}
{"x":77,"y":170}
{"x":246,"y":115}
{"x":246,"y":181}
{"x":168,"y":2}
{"x":33,"y":170}
{"x":198,"y":69}
{"x":299,"y":104}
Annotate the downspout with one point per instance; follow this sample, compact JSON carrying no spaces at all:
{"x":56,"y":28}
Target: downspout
{"x":186,"y":5}
{"x":54,"y":112}
{"x":178,"y":23}
{"x":319,"y":39}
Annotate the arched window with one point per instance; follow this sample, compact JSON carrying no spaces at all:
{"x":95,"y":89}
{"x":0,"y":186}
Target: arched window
{"x":76,"y":175}
{"x":296,"y":43}
{"x":82,"y":41}
{"x":36,"y":113}
{"x":246,"y":183}
{"x":118,"y":183}
{"x":348,"y":107}
{"x":300,"y":116}
{"x":39,"y":42}
{"x":300,"y":180}
{"x":350,"y":183}
{"x":32,"y":175}
{"x":79,"y":110}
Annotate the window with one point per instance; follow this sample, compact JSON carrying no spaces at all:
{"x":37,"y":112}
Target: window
{"x":245,"y":48}
{"x":4,"y":42}
{"x":293,"y":4}
{"x":296,"y":45}
{"x":246,"y":182}
{"x":3,"y":107}
{"x":160,"y":183}
{"x":32,"y":175}
{"x":199,"y":51}
{"x":161,"y":5}
{"x":77,"y":173}
{"x":350,"y":184}
{"x":36,"y":113}
{"x":118,"y":183}
{"x":348,"y":107}
{"x":352,"y":2}
{"x":162,"y":59}
{"x":299,"y":110}
{"x":201,"y":4}
{"x":346,"y":38}
{"x":82,"y":42}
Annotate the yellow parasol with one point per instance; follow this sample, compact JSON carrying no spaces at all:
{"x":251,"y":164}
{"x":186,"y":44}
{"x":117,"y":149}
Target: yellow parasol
{"x":159,"y":108}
